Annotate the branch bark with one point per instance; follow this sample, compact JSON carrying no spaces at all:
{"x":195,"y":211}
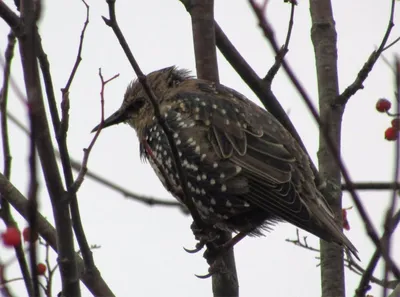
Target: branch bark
{"x":28,"y":50}
{"x":324,"y":37}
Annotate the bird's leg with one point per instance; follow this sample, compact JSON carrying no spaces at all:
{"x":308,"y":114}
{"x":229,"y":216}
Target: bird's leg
{"x":215,"y":255}
{"x":212,"y":255}
{"x":204,"y":236}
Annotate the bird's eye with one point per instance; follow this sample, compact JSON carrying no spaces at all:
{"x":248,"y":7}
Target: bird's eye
{"x":136,"y":105}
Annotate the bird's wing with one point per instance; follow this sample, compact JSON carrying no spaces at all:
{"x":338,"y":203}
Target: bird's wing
{"x":277,"y":171}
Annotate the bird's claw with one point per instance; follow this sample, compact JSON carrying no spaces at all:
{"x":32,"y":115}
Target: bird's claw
{"x":218,"y":266}
{"x":198,"y":248}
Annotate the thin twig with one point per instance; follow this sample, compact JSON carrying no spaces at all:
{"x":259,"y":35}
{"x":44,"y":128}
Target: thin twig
{"x":363,"y":287}
{"x":349,"y":261}
{"x":388,"y":225}
{"x":367,"y":68}
{"x":79,"y":54}
{"x":373,"y":186}
{"x":78,"y":181}
{"x":60,"y":129}
{"x":283,"y":51}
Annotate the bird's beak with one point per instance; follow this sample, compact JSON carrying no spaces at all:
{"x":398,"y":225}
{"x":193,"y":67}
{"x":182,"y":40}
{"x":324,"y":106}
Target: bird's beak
{"x":116,"y":118}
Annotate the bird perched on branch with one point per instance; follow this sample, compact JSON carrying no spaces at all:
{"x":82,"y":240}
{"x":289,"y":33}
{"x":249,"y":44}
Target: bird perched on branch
{"x":244,"y":170}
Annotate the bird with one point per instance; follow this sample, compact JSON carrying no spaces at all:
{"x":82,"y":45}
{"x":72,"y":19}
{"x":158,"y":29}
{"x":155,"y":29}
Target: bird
{"x":245,"y":172}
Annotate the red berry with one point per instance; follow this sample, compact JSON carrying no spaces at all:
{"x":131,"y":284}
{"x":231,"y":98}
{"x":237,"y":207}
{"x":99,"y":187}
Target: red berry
{"x":396,"y":124}
{"x":11,"y":237}
{"x":41,"y":269}
{"x":391,"y":134}
{"x":26,"y":234}
{"x":383,"y":105}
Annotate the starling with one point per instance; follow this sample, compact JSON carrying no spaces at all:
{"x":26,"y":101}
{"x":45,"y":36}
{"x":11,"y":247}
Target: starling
{"x":245,"y":171}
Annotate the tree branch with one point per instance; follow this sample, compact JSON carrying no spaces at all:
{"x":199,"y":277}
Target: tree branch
{"x":28,"y":50}
{"x":367,"y":68}
{"x":92,"y":279}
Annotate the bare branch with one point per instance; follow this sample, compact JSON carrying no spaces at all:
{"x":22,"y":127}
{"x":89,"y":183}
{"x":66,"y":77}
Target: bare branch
{"x":78,"y":182}
{"x":388,"y":225}
{"x":91,"y":278}
{"x":28,"y":46}
{"x":283,"y":51}
{"x":10,"y":18}
{"x":5,"y":207}
{"x":373,"y":186}
{"x":363,"y":287}
{"x":367,"y":68}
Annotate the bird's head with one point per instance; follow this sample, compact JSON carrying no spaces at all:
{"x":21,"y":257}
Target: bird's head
{"x":136,"y":109}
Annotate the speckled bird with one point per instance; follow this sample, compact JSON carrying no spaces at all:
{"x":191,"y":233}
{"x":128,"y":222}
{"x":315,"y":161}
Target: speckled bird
{"x":245,"y":171}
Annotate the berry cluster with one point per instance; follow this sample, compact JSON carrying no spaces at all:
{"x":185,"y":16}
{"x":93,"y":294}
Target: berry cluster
{"x":391,"y":133}
{"x":11,"y":237}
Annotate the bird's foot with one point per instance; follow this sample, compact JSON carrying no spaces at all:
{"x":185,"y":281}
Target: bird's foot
{"x":217,"y":266}
{"x":204,"y":236}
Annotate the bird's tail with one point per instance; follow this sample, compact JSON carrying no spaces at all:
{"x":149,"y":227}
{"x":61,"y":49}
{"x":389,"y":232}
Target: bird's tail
{"x":330,"y":229}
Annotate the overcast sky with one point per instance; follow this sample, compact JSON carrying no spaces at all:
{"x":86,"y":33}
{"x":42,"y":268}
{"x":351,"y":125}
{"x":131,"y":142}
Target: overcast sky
{"x":141,"y":250}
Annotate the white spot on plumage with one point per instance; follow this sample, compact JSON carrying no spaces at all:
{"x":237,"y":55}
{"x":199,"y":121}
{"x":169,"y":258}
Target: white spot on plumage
{"x":213,"y":202}
{"x":176,"y":135}
{"x":202,"y":103}
{"x":246,"y":204}
{"x":227,"y":122}
{"x":203,"y":192}
{"x":238,"y":169}
{"x":215,"y":164}
{"x":197,"y":149}
{"x":222,"y":175}
{"x":214,"y":106}
{"x":207,"y":122}
{"x":228,"y":203}
{"x":204,"y":176}
{"x":223,"y":111}
{"x":212,"y":181}
{"x":203,"y":156}
{"x":223,"y":188}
